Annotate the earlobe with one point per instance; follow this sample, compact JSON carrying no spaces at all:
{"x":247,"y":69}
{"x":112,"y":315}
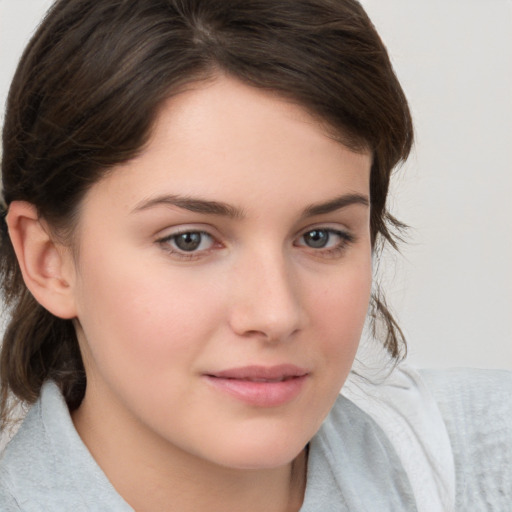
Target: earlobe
{"x":45,"y":265}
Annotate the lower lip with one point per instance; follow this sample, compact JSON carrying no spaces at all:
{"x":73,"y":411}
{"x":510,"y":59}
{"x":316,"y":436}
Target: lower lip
{"x":260,"y":394}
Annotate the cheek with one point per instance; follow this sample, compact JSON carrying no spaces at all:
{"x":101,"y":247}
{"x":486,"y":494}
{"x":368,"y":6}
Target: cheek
{"x":342,"y":302}
{"x":139,"y":322}
{"x":339,"y":312}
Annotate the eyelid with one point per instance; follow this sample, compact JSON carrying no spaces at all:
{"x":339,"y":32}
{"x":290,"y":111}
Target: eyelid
{"x":178,"y":229}
{"x":342,"y":230}
{"x":345,"y":234}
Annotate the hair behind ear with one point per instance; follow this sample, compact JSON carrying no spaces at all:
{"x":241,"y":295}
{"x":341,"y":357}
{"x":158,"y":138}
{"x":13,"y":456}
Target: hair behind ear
{"x":37,"y":345}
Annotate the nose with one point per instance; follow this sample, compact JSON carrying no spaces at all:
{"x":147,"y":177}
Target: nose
{"x":266,"y":299}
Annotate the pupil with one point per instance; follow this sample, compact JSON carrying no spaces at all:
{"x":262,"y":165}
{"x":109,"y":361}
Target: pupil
{"x":317,"y":238}
{"x":188,"y":241}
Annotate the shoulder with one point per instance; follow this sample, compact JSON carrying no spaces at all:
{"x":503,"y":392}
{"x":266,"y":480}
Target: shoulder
{"x":470,"y":389}
{"x":20,"y":462}
{"x":476,"y":406}
{"x":401,"y":404}
{"x":46,"y":466}
{"x":452,"y":430}
{"x":352,"y":465}
{"x":8,"y":501}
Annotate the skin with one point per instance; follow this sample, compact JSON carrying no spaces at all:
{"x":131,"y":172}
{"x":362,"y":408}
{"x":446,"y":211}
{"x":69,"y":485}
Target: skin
{"x":153,"y":320}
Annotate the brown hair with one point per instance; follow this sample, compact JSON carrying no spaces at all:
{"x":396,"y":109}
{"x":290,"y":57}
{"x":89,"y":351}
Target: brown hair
{"x":88,"y":88}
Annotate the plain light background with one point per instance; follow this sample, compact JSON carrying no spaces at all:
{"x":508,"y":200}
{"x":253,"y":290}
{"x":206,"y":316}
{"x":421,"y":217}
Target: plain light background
{"x":452,"y":286}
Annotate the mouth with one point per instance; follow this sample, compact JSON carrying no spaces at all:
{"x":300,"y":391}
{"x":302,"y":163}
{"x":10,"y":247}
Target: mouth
{"x":262,"y":373}
{"x":248,"y":379}
{"x":260,"y":386}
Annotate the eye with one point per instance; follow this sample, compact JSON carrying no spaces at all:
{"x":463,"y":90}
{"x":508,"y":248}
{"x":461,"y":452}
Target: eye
{"x":317,"y":238}
{"x":188,"y":242}
{"x":325,"y":240}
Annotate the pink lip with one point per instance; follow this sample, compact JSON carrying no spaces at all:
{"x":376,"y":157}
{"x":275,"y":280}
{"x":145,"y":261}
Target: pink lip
{"x":261,"y":386}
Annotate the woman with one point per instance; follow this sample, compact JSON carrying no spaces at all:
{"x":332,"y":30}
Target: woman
{"x":195,"y":192}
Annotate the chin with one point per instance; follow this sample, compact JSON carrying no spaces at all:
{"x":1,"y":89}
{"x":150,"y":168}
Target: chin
{"x":262,"y":461}
{"x":260,"y":453}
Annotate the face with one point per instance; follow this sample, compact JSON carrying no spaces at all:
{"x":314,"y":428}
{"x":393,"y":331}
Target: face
{"x":222,"y":279}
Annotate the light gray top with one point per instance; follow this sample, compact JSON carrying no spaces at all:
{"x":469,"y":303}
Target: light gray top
{"x":477,"y":409}
{"x":353,"y":464}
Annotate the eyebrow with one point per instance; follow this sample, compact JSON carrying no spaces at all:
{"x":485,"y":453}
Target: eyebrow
{"x":193,"y":205}
{"x":337,"y":203}
{"x":209,"y":207}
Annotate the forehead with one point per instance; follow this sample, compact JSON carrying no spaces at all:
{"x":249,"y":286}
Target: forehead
{"x":225,"y":140}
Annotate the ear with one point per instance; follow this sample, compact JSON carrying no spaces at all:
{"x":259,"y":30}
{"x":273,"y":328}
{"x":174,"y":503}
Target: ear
{"x":47,"y":267}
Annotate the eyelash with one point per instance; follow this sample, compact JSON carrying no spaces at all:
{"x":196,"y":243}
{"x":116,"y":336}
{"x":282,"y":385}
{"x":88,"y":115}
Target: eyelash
{"x":346,"y":239}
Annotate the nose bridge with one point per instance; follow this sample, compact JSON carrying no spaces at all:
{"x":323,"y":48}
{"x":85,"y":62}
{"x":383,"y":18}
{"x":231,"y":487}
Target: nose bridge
{"x":267,"y":300}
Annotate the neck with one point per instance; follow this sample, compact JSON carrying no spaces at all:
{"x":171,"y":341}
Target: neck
{"x":212,"y":488}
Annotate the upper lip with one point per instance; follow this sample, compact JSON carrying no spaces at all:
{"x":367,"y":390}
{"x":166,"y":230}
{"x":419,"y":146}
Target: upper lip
{"x":261,"y":373}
